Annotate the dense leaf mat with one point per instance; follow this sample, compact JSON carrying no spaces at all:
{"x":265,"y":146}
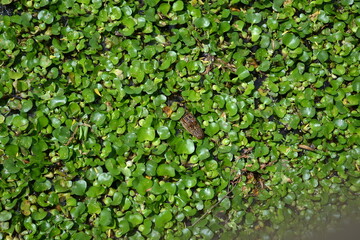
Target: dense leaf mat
{"x":88,"y":152}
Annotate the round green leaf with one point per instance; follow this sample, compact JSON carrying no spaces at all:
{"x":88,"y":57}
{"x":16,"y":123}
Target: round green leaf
{"x":88,"y":95}
{"x":202,"y":22}
{"x":79,"y":187}
{"x":46,"y":16}
{"x":163,"y":132}
{"x":308,"y":112}
{"x":163,"y":218}
{"x":165,"y":170}
{"x":146,"y":134}
{"x":185,"y":146}
{"x":98,"y":118}
{"x":62,"y":134}
{"x":290,"y":40}
{"x":5,"y":216}
{"x":178,"y":6}
{"x":57,"y":102}
{"x":142,"y":185}
{"x":135,"y":219}
{"x":206,"y":193}
{"x":105,"y":217}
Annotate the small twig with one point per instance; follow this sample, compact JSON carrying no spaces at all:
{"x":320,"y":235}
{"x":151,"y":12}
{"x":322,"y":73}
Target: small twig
{"x":213,"y":206}
{"x":75,"y":131}
{"x":302,"y":146}
{"x":72,"y":135}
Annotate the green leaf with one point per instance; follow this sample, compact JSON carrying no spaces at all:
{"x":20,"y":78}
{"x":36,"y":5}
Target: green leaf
{"x":178,"y":6}
{"x":189,"y":181}
{"x":242,"y":72}
{"x":105,"y":218}
{"x":57,"y":102}
{"x":202,"y":22}
{"x":41,"y":186}
{"x":123,"y":226}
{"x":62,"y":134}
{"x":105,"y":179}
{"x":88,"y":95}
{"x":163,"y":132}
{"x":212,"y":129}
{"x":290,"y":40}
{"x":142,"y":185}
{"x":152,"y":3}
{"x":232,"y":108}
{"x":165,"y":170}
{"x":20,"y":122}
{"x":135,"y":219}
{"x":98,"y":118}
{"x":46,"y":16}
{"x":206,"y":193}
{"x":203,"y":153}
{"x":185,"y":146}
{"x":79,"y":187}
{"x":11,"y":165}
{"x":163,"y":218}
{"x":5,"y":216}
{"x":308,"y":112}
{"x":146,"y":134}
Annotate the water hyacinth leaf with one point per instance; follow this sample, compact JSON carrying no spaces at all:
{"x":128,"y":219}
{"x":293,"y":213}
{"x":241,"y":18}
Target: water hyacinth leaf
{"x":202,"y":22}
{"x":178,"y":6}
{"x":135,"y":219}
{"x":41,"y":186}
{"x":242,"y":72}
{"x":163,"y":218}
{"x":27,"y":105}
{"x":98,"y":118}
{"x":79,"y":187}
{"x":190,"y":181}
{"x":62,"y":134}
{"x":124,"y":226}
{"x":142,"y":185}
{"x":46,"y":16}
{"x":105,"y":179}
{"x":146,"y":134}
{"x":57,"y":101}
{"x":165,"y":170}
{"x":231,"y":107}
{"x":185,"y":146}
{"x":212,"y":129}
{"x":290,"y":40}
{"x":308,"y":112}
{"x":341,"y":124}
{"x":206,"y":193}
{"x":20,"y":122}
{"x":88,"y":95}
{"x":5,"y":216}
{"x":163,"y":132}
{"x":203,"y":153}
{"x":105,"y":217}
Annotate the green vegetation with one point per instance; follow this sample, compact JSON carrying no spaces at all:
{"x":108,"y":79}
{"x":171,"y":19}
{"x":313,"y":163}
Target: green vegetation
{"x":86,"y":150}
